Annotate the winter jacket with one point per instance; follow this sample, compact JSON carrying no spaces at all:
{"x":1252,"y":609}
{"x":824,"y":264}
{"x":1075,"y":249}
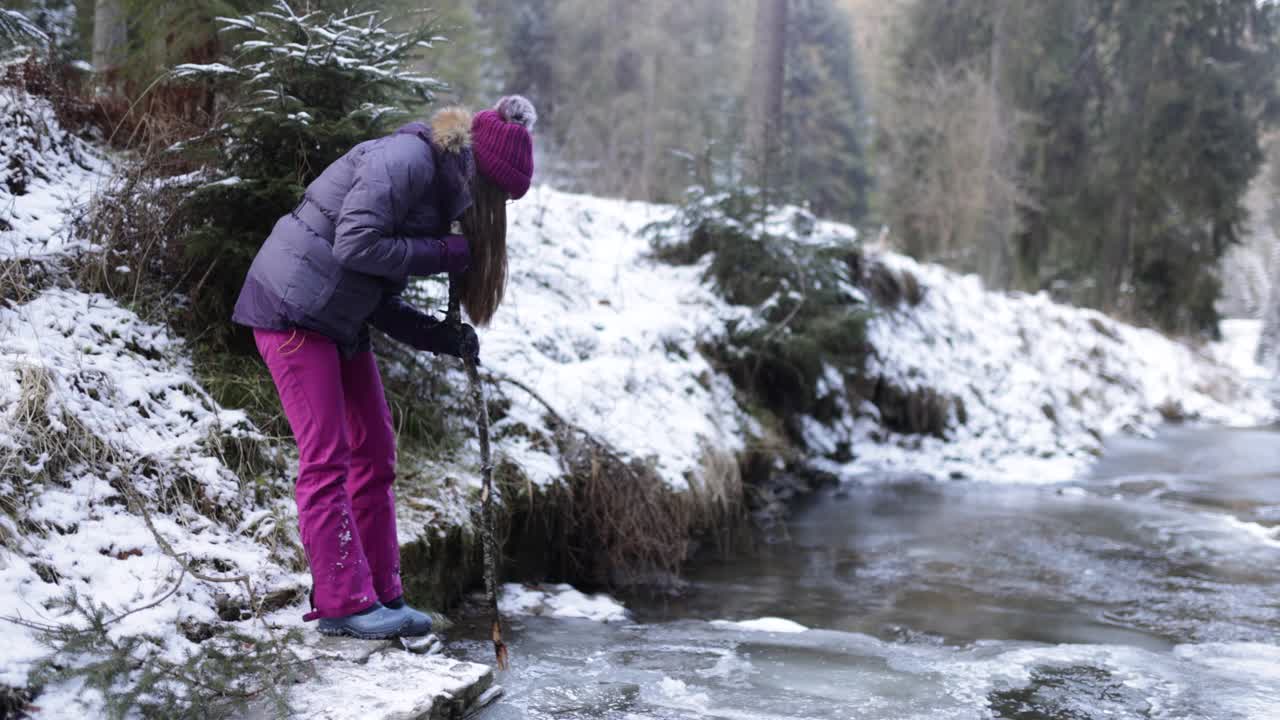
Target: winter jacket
{"x":339,"y":261}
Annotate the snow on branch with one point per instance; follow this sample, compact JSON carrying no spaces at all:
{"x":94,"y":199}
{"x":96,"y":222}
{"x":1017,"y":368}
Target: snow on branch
{"x":16,"y":28}
{"x":283,"y":62}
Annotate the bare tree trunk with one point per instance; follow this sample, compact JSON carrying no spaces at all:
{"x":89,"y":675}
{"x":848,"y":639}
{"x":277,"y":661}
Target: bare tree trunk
{"x":110,"y":39}
{"x":653,"y":66}
{"x":1267,"y":353}
{"x":768,"y":73}
{"x":1116,"y":269}
{"x":999,"y":228}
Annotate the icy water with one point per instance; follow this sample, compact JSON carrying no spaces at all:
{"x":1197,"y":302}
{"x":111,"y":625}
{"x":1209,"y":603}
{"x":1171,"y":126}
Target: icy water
{"x":1150,"y":590}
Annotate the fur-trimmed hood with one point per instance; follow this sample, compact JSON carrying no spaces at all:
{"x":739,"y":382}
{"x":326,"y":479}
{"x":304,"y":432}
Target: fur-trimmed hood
{"x":449,"y":139}
{"x":448,"y":133}
{"x":451,"y":128}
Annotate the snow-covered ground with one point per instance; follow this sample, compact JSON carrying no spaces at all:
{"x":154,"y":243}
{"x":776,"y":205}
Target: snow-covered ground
{"x":102,"y":416}
{"x":46,"y":174}
{"x":609,"y":337}
{"x":1041,"y":384}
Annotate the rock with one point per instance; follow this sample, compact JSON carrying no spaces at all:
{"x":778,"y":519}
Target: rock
{"x":389,"y":685}
{"x":426,"y":645}
{"x":486,"y":699}
{"x":345,"y":649}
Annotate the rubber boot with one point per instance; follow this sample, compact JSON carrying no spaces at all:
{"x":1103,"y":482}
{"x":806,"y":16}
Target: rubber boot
{"x":373,"y":623}
{"x":419,"y":622}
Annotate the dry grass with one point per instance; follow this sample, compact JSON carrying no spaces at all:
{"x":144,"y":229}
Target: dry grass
{"x":132,"y":221}
{"x":21,"y":280}
{"x":616,"y":520}
{"x":890,"y":287}
{"x":50,"y":447}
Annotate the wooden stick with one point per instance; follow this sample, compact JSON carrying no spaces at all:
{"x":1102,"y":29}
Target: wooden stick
{"x":488,"y":519}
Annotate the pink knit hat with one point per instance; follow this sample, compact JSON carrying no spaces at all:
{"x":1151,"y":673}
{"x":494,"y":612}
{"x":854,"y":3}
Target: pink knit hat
{"x":503,"y":146}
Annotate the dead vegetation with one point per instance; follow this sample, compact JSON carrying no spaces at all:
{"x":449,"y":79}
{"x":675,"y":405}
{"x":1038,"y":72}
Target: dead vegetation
{"x":613,"y":520}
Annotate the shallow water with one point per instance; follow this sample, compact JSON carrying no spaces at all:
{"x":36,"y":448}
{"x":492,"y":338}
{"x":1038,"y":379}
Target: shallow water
{"x":1149,"y":590}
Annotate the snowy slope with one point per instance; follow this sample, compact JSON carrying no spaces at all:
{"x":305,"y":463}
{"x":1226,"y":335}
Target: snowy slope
{"x":102,"y":414}
{"x":609,"y":336}
{"x":1041,"y":383}
{"x":46,"y":174}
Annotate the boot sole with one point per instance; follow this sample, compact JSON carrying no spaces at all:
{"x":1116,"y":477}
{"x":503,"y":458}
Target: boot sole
{"x":347,"y":632}
{"x":405,"y":633}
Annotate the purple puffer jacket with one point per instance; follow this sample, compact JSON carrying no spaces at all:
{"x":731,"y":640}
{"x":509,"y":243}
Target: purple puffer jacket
{"x":339,"y":261}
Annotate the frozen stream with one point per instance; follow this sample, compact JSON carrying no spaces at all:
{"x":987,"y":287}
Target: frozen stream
{"x":1150,"y":590}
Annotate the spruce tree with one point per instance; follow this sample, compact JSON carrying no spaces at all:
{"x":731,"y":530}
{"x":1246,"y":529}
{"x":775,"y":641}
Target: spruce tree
{"x":300,"y":89}
{"x":18,"y":31}
{"x":823,"y":113}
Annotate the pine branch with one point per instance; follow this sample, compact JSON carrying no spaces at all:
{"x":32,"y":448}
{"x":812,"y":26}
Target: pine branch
{"x":16,"y":29}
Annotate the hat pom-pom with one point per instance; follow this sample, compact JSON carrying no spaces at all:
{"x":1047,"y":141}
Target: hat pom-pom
{"x":517,"y":109}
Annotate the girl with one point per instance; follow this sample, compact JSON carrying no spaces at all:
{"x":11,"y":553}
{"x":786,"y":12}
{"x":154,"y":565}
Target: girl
{"x":337,"y":264}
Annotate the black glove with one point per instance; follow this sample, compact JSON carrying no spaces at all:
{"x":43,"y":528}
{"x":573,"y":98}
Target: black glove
{"x":459,"y":341}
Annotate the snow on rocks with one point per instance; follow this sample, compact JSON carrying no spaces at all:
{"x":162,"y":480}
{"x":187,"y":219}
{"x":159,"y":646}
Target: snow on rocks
{"x":389,"y":684}
{"x":47,"y":172}
{"x":764,"y":624}
{"x":559,"y":601}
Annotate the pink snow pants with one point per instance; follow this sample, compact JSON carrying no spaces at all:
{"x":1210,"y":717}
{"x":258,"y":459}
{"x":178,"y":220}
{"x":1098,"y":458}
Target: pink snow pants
{"x":346,"y":467}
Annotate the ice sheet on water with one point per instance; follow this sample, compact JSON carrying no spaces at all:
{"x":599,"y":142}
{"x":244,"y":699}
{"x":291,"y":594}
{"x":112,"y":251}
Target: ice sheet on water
{"x":694,"y":667}
{"x":560,"y":601}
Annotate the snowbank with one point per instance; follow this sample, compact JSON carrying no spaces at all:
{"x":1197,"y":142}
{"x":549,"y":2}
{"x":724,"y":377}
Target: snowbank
{"x":102,"y":417}
{"x":1036,"y":385}
{"x":122,"y":380}
{"x":609,"y":336}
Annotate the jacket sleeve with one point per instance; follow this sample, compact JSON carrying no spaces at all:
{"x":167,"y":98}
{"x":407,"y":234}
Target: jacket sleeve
{"x":384,"y":186}
{"x":407,"y":324}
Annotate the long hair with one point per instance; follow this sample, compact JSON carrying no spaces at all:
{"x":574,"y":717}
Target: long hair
{"x":485,"y":225}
